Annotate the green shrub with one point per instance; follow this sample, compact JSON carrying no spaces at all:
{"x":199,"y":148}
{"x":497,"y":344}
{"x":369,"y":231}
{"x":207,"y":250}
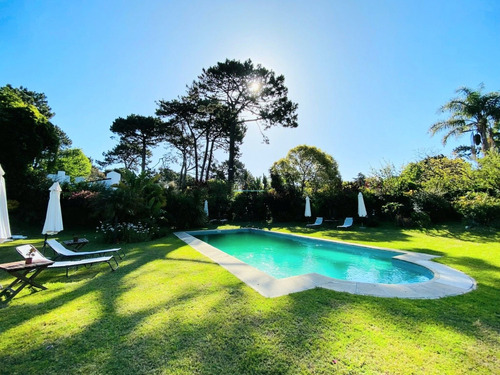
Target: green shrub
{"x":32,"y":196}
{"x":249,"y":206}
{"x":371,"y":222}
{"x":421,"y":219}
{"x":392,"y":209}
{"x":135,"y":199}
{"x":285,"y":206}
{"x":219,"y":199}
{"x":78,"y":204}
{"x":434,"y":204}
{"x":479,"y":207}
{"x":184,"y":209}
{"x":405,"y":221}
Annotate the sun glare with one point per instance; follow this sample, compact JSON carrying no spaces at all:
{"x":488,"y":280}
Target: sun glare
{"x":254,"y":86}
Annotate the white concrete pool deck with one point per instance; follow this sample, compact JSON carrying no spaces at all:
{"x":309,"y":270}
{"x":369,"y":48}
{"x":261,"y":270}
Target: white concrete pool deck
{"x":446,"y":282}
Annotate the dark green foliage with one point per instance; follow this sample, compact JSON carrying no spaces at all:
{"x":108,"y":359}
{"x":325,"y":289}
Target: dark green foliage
{"x":219,"y":198}
{"x":31,"y":201}
{"x":26,"y":136}
{"x":250,"y":206}
{"x":184,"y":209}
{"x":78,"y":203}
{"x":392,"y":210}
{"x":137,"y":199}
{"x":128,"y":154}
{"x":29,"y":147}
{"x":138,"y":134}
{"x":421,"y":219}
{"x":428,"y":190}
{"x":285,"y":206}
{"x":434,"y":204}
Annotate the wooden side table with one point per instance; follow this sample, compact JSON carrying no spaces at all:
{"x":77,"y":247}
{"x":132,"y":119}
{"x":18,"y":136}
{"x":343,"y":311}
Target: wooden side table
{"x":20,"y":271}
{"x":78,"y":244}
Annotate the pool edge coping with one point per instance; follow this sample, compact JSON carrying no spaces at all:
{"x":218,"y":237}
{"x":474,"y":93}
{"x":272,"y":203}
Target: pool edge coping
{"x":447,"y":281}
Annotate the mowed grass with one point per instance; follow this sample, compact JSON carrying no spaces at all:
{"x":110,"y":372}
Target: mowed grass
{"x":169,"y":310}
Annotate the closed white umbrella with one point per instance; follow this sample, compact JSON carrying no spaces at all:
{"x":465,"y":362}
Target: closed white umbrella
{"x":205,"y":207}
{"x":4,"y":213}
{"x":361,"y":206}
{"x":53,"y":220}
{"x":307,"y":212}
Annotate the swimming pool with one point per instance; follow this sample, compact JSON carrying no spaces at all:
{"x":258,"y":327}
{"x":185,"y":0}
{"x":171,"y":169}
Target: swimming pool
{"x":427,"y":279}
{"x":283,"y":257}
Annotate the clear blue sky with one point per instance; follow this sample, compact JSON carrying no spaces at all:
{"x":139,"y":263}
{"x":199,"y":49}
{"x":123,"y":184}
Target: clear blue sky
{"x":369,"y":76}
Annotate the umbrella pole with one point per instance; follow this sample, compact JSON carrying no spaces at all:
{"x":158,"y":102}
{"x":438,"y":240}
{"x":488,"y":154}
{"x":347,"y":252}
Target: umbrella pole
{"x":44,"y":243}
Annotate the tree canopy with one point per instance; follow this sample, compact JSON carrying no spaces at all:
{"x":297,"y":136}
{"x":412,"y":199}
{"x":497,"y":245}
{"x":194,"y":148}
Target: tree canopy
{"x":26,"y":135}
{"x":438,"y":173}
{"x":128,"y":154}
{"x":74,"y":163}
{"x":308,"y":169}
{"x":249,"y":93}
{"x":197,"y":128}
{"x":488,"y":173}
{"x":137,"y":134}
{"x":474,"y":113}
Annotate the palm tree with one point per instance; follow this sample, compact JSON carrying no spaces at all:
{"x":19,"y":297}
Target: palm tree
{"x":472,"y":113}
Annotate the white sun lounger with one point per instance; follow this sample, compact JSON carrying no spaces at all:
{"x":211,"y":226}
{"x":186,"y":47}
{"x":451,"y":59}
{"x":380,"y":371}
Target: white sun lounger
{"x":62,"y":251}
{"x":318,"y":222}
{"x":347,"y":223}
{"x":30,"y":251}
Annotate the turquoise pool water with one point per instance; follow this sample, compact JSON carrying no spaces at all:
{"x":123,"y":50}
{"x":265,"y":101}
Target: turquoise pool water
{"x":283,"y":257}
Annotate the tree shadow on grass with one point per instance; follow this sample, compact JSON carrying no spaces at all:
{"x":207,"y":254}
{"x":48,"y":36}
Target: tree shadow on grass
{"x":458,"y":232}
{"x":214,"y":325}
{"x":355,"y":234}
{"x":182,"y":315}
{"x":129,"y":339}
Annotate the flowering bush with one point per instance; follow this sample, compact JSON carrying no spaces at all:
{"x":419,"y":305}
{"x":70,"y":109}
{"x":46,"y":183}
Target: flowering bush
{"x":479,"y":208}
{"x":128,"y":232}
{"x":77,"y":202}
{"x":82,"y":194}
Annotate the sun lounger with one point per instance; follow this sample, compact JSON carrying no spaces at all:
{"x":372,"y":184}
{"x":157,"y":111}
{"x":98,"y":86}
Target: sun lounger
{"x":347,"y":223}
{"x":30,"y":251}
{"x":318,"y":222}
{"x":63,"y":252}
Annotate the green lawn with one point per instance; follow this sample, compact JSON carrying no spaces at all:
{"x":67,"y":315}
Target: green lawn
{"x":169,"y":310}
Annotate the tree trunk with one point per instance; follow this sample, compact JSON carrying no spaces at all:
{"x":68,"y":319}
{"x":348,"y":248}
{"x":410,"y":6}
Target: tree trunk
{"x":183,"y":172}
{"x":483,"y":131}
{"x":209,"y":163}
{"x":205,"y":158}
{"x":195,"y":149}
{"x":143,"y":155}
{"x":232,"y":151}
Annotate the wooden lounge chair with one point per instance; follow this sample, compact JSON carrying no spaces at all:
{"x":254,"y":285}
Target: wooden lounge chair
{"x":318,"y":222}
{"x":30,"y":251}
{"x":347,"y":223}
{"x":63,"y":252}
